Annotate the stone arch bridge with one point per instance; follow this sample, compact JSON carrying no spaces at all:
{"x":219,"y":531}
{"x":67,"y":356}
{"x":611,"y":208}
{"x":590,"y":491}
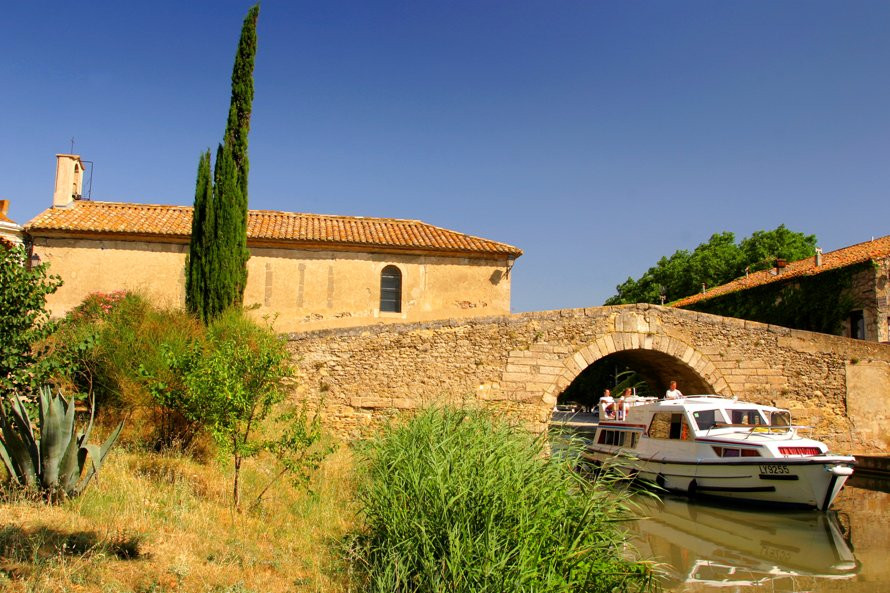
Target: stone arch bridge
{"x":519,"y":364}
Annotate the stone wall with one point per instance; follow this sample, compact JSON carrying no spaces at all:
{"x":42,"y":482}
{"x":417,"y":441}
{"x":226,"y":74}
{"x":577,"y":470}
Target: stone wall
{"x":871,"y":287}
{"x":519,"y":364}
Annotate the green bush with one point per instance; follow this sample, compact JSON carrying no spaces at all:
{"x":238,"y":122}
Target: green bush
{"x":458,"y":501}
{"x":24,"y":322}
{"x":123,"y":352}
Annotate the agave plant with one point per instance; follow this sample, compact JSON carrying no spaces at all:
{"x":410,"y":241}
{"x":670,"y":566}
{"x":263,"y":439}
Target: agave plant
{"x":57,"y":459}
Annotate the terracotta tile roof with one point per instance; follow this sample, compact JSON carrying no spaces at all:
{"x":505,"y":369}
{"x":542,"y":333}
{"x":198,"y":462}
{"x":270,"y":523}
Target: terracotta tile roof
{"x":174,"y":222}
{"x":840,"y":258}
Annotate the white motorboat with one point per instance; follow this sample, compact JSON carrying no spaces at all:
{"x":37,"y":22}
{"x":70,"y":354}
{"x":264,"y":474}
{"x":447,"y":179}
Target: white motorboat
{"x":707,"y":445}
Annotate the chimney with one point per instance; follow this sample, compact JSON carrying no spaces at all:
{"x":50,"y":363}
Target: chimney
{"x":780,"y":264}
{"x":818,"y":256}
{"x":4,"y":209}
{"x":69,"y":180}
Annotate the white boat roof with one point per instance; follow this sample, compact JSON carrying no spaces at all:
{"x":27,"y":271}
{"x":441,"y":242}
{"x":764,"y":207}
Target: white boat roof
{"x":706,"y":402}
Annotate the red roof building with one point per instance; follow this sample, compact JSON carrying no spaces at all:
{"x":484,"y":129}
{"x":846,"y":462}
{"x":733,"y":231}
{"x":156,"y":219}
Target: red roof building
{"x":309,"y":270}
{"x":858,"y":274}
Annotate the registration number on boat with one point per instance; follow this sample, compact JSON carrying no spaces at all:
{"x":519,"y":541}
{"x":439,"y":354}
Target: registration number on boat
{"x":774,"y":469}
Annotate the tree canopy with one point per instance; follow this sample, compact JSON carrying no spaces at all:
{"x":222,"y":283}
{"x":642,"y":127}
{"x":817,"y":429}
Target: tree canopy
{"x":716,"y":262}
{"x":24,"y":321}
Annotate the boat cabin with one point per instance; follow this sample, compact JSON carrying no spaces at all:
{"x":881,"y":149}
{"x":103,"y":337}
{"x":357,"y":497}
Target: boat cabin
{"x":727,"y":425}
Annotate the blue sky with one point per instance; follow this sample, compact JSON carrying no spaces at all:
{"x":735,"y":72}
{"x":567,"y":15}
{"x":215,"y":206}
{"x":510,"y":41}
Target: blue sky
{"x":596,"y":136}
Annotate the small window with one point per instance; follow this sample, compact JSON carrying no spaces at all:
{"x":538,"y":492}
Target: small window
{"x":660,"y":427}
{"x":747,"y":417}
{"x":667,"y":425}
{"x":780,"y":418}
{"x":619,"y":438}
{"x":706,"y":419}
{"x":857,"y":325}
{"x":391,"y":290}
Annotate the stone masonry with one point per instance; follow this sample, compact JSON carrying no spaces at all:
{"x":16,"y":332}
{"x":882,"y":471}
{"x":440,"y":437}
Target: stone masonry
{"x":518,"y":365}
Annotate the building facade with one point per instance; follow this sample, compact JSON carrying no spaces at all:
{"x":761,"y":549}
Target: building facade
{"x":850,"y":285}
{"x":308,"y":271}
{"x":11,"y":234}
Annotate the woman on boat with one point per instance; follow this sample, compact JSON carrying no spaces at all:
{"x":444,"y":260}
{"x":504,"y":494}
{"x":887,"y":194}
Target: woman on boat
{"x":623,"y":403}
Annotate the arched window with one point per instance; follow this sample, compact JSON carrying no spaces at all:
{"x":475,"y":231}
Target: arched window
{"x":391,"y":290}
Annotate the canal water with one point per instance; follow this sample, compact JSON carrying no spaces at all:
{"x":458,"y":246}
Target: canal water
{"x":705,"y":547}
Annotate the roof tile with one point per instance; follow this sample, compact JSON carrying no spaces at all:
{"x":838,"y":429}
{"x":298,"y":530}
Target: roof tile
{"x":265,"y":225}
{"x":840,"y":258}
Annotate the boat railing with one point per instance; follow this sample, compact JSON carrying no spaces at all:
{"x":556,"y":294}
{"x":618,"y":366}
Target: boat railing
{"x":615,"y":410}
{"x":761,"y":428}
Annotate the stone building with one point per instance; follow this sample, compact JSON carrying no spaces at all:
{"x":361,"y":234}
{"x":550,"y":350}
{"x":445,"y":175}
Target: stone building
{"x":855,"y":278}
{"x":10,"y":233}
{"x":311,"y":271}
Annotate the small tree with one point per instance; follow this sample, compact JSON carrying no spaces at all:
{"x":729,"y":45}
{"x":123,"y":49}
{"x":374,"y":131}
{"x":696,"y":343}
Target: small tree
{"x":24,"y":321}
{"x":233,"y":387}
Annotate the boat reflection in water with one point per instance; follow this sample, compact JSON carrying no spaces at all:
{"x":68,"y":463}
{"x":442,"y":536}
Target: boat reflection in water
{"x":717,"y":547}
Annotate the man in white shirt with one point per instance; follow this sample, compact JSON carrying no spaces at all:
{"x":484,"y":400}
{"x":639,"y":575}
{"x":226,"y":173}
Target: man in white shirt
{"x":673,"y":392}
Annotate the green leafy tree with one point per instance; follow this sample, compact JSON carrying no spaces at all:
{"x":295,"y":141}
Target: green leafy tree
{"x":235,"y":383}
{"x":760,"y":250}
{"x":24,"y":321}
{"x":716,"y":262}
{"x":216,"y":269}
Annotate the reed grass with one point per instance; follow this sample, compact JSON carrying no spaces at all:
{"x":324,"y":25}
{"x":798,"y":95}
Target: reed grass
{"x":456,"y":500}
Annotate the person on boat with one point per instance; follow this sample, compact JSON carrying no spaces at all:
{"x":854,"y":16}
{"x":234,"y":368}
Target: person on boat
{"x":673,"y":392}
{"x":623,"y":404}
{"x":608,"y":404}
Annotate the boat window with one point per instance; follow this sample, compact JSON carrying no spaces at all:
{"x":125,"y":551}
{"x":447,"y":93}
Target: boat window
{"x":669,"y":425}
{"x":618,"y":438}
{"x":750,"y":417}
{"x":660,"y":426}
{"x":780,"y":418}
{"x":706,"y":419}
{"x":735,"y":452}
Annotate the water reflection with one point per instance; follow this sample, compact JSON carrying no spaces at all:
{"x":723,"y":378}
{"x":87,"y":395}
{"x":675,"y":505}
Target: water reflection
{"x":705,"y":547}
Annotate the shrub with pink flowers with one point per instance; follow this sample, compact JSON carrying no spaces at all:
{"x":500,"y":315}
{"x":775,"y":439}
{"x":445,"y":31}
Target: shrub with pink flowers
{"x":97,"y":305}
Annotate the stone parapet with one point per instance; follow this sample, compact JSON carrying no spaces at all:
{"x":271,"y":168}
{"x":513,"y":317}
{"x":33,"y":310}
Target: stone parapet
{"x":519,"y":364}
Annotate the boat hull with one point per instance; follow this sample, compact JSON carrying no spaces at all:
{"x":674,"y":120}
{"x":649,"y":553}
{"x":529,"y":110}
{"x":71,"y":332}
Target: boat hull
{"x":812,"y":482}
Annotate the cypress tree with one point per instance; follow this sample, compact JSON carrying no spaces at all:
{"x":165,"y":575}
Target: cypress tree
{"x":196,"y":262}
{"x":216,"y":268}
{"x":237,"y":129}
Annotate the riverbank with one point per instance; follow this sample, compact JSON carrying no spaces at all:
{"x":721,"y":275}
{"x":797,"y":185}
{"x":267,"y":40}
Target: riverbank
{"x":156,"y":523}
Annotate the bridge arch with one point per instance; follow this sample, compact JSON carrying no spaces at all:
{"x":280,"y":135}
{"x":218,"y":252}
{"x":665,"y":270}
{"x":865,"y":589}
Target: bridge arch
{"x":658,"y":358}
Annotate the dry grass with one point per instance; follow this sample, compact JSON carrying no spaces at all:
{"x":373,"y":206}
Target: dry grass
{"x":156,"y":523}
